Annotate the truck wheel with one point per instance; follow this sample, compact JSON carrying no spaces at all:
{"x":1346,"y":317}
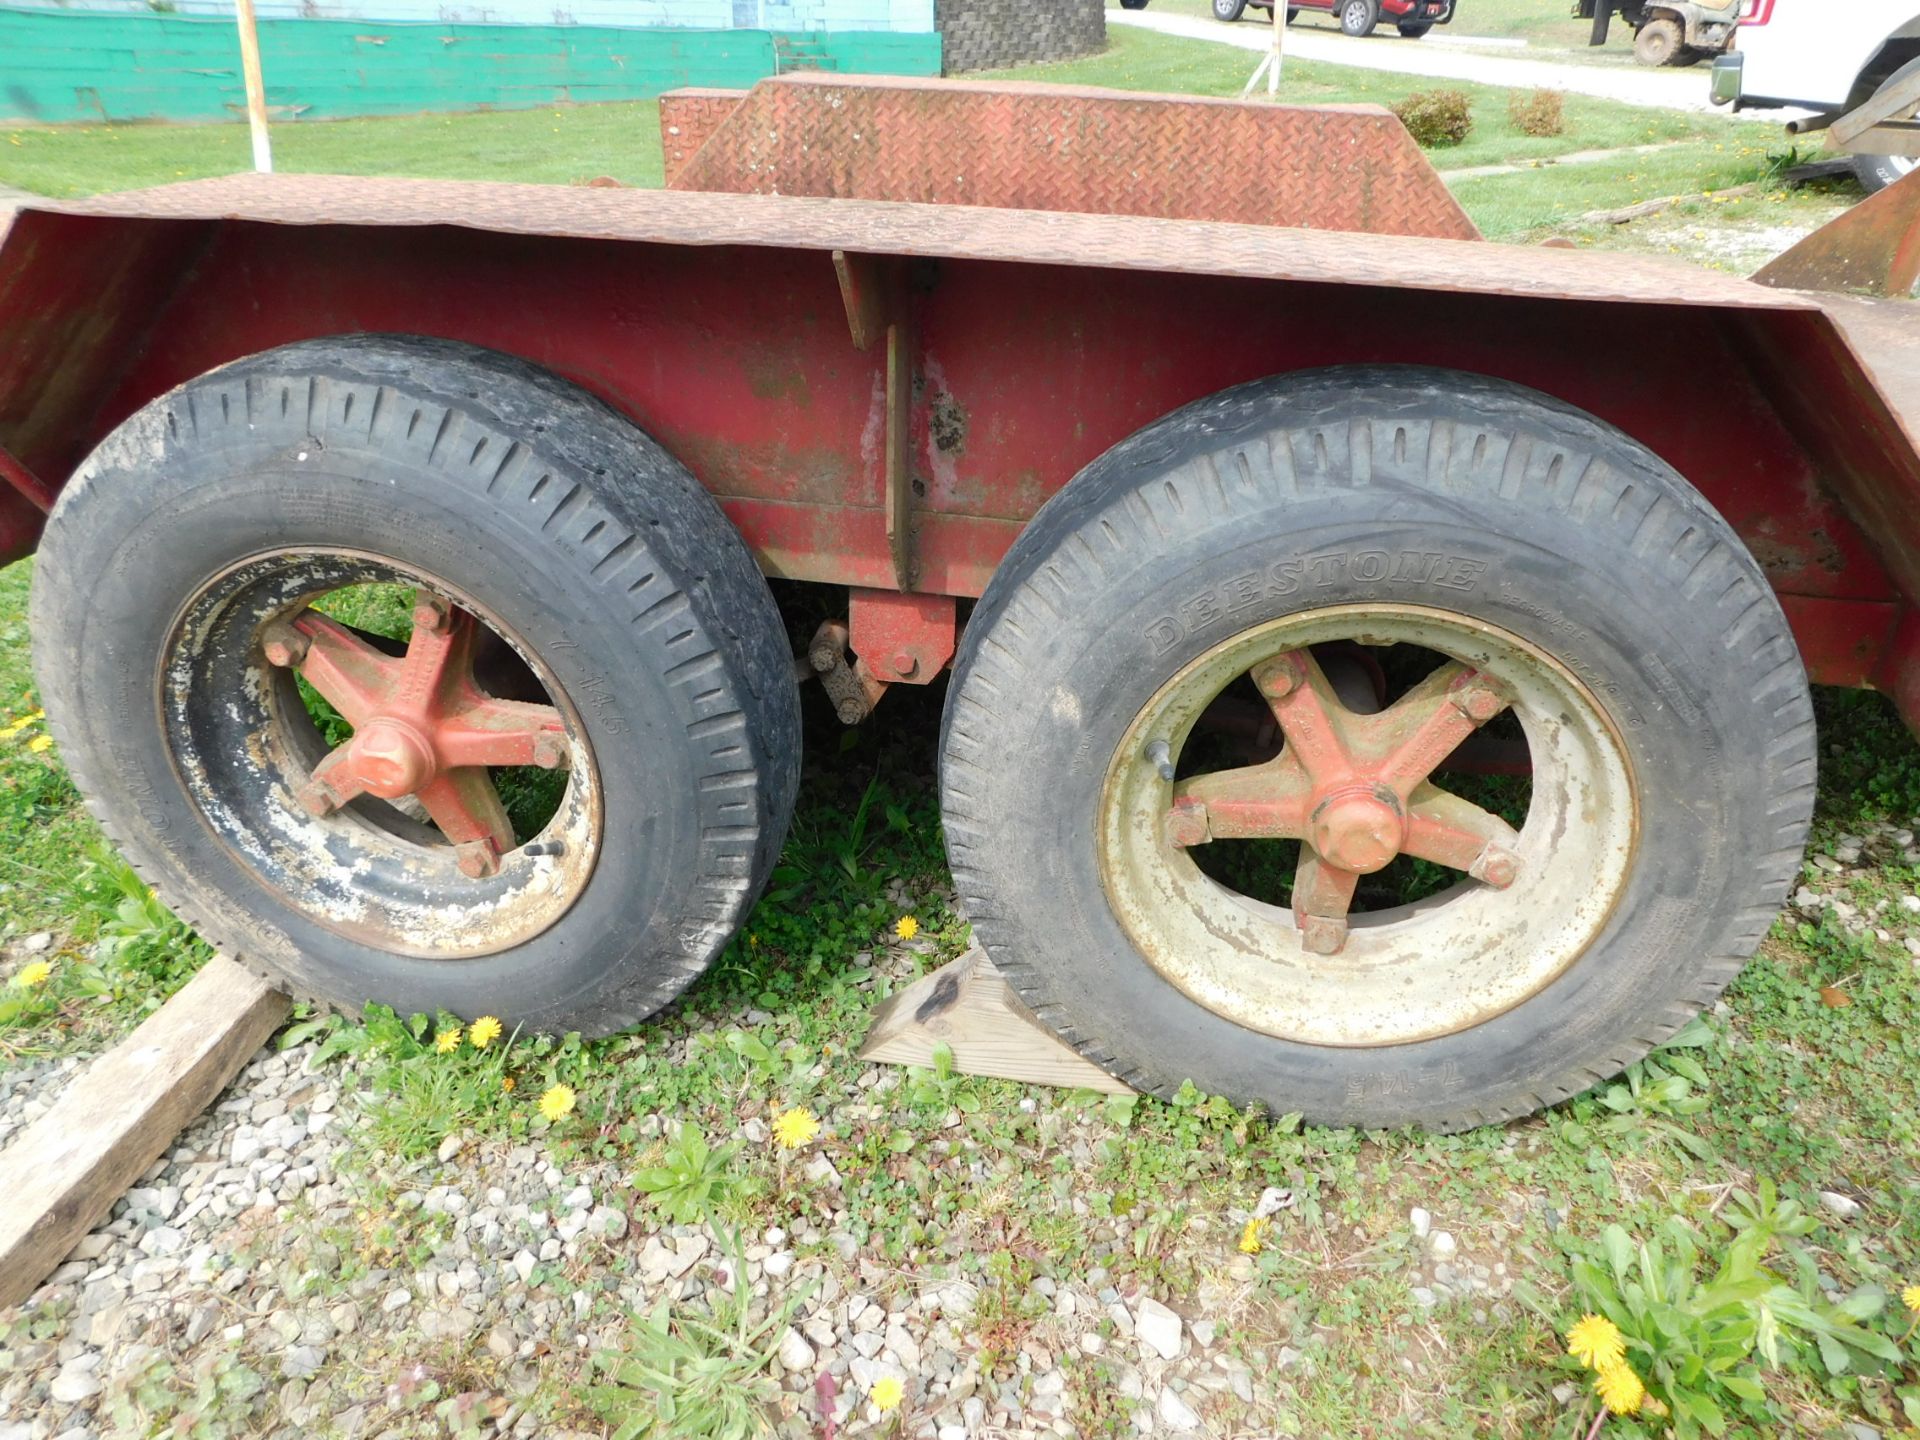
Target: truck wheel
{"x":1229,"y":10}
{"x":1414,"y":32}
{"x":1658,"y":42}
{"x":1358,"y":17}
{"x":1133,"y":4}
{"x":1877,"y":172}
{"x":1203,"y":754}
{"x":408,"y":673}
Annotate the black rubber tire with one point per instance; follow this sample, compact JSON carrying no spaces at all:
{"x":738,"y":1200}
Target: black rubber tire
{"x":1584,"y":543}
{"x":1414,"y":32}
{"x":1877,"y":172}
{"x":1133,"y":4}
{"x":1229,"y":10}
{"x":1358,"y":17}
{"x":1659,"y":42}
{"x":376,"y":443}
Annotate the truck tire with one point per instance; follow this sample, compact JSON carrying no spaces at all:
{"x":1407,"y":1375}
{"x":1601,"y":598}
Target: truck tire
{"x":533,"y":589}
{"x":1229,"y":10}
{"x":1659,"y":42}
{"x":1414,"y":32}
{"x":1230,"y":572}
{"x":1877,"y":172}
{"x":1358,"y":17}
{"x":1133,"y":4}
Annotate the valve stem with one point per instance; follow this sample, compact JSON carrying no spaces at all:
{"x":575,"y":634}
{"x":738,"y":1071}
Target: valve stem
{"x":1160,"y":756}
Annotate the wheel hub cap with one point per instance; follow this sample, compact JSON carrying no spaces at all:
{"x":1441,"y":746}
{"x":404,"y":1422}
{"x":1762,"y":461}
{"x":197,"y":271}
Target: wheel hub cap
{"x":1359,"y":830}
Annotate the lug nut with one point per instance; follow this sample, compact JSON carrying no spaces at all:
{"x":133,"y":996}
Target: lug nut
{"x":1187,"y":824}
{"x":1322,"y":935}
{"x":1495,"y":866}
{"x":284,"y":646}
{"x":478,"y":859}
{"x":550,"y":752}
{"x":430,"y":614}
{"x":319,"y":797}
{"x":1477,"y":700}
{"x":1278,"y":677}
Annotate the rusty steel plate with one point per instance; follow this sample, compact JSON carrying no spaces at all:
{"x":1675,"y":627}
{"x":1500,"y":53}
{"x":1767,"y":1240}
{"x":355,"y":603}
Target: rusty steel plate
{"x":1873,"y":249}
{"x":960,"y":232}
{"x":1012,"y":146}
{"x":687,"y":118}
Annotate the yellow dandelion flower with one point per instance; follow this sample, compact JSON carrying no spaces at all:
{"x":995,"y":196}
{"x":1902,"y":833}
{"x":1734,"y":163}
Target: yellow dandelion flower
{"x":1596,"y":1343}
{"x":886,"y":1393}
{"x":506,"y":1083}
{"x":557,"y":1103}
{"x":1251,"y":1241}
{"x":36,"y":973}
{"x":447,"y":1041}
{"x":483,"y":1032}
{"x":907,"y":927}
{"x":14,"y":727}
{"x":1620,"y":1389}
{"x":1910,"y":1297}
{"x":794,"y":1128}
{"x":40,"y":744}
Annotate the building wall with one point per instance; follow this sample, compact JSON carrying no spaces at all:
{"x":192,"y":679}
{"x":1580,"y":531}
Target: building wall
{"x":899,"y":16}
{"x":95,"y":66}
{"x":994,"y":34}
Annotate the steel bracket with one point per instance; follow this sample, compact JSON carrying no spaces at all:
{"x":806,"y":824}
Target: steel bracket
{"x":902,"y":639}
{"x":875,"y":291}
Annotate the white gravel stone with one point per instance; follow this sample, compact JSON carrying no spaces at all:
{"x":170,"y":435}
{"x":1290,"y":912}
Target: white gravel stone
{"x":1421,"y":1220}
{"x":1157,"y":1327}
{"x":1442,"y":1245}
{"x":1176,"y":1414}
{"x":72,"y":1385}
{"x":1845,"y":1206}
{"x":795,"y":1354}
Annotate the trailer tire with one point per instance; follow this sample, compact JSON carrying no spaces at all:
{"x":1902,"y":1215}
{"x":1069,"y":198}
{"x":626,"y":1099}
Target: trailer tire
{"x":1670,"y":730}
{"x":610,"y":579}
{"x":1876,"y":172}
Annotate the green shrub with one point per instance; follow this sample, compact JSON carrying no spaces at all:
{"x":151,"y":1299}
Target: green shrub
{"x":1436,"y":117}
{"x":1540,"y":113}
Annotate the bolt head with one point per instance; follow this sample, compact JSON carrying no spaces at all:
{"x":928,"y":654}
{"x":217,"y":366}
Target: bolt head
{"x":1187,"y":824}
{"x":1496,"y":866}
{"x":477,"y":859}
{"x":318,"y":797}
{"x":1320,"y":935}
{"x":1478,"y":701}
{"x":905,"y":665}
{"x":1278,"y":677}
{"x":430,"y":613}
{"x":550,"y":752}
{"x":284,"y":646}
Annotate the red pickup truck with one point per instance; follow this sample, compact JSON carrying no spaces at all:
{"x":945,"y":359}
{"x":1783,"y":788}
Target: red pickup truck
{"x":1413,"y":18}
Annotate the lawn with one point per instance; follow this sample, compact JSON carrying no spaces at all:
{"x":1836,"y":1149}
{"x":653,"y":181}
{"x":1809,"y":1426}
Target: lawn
{"x":574,"y":144}
{"x":1408,"y":1285}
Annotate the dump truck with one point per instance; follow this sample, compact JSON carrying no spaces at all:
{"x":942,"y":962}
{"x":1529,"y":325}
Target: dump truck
{"x":1367,"y":693}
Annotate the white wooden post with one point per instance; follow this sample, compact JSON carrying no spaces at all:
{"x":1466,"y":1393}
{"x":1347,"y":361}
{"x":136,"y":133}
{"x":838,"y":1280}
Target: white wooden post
{"x":1270,"y":63}
{"x":256,"y":85}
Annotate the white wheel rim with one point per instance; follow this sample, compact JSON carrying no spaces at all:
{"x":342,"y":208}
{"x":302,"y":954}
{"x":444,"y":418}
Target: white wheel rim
{"x":1442,"y":965}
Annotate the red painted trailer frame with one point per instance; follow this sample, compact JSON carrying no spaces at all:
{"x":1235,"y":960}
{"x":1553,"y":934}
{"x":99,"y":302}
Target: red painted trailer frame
{"x":884,"y":322}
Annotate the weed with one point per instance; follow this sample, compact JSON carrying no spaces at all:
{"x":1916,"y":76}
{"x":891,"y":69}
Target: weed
{"x":1540,"y":113}
{"x":1436,"y":118}
{"x":691,"y":1181}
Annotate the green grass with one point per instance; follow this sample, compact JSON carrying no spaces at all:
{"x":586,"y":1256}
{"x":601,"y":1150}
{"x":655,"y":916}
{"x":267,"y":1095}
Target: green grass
{"x":564,"y":146}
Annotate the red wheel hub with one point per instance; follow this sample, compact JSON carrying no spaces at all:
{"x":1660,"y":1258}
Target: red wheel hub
{"x":422,"y":726}
{"x":1354,"y":789}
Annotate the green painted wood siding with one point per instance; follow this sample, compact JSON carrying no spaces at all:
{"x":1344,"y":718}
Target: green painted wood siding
{"x":61,"y":67}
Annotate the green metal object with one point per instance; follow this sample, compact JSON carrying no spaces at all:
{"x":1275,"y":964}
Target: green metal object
{"x":95,"y":67}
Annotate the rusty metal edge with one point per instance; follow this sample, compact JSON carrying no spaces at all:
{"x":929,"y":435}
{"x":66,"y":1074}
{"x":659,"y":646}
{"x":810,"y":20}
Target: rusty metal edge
{"x":1192,"y":247}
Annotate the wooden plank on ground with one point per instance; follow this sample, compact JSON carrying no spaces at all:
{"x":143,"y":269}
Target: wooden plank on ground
{"x":63,"y":1173}
{"x":970,"y":1009}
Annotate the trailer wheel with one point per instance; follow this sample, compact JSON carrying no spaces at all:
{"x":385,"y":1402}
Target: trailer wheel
{"x":409,"y":673}
{"x":1658,"y":42}
{"x":1358,"y":17}
{"x":1203,"y":760}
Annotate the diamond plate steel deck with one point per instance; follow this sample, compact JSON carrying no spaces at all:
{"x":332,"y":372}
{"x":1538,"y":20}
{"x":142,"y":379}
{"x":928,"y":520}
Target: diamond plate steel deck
{"x":1350,"y":168}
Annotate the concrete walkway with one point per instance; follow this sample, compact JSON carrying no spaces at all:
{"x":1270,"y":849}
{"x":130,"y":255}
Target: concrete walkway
{"x":1655,"y":89}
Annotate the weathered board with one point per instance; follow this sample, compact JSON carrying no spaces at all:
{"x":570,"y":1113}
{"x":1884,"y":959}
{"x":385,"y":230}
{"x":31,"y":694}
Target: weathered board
{"x":64,"y":66}
{"x":967,"y":1007}
{"x":62,"y":1175}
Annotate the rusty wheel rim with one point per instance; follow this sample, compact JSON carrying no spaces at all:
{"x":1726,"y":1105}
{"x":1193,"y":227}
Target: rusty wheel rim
{"x":392,"y":834}
{"x":1355,"y":790}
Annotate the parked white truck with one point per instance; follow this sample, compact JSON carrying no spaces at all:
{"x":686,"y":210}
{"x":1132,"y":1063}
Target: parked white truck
{"x":1831,"y":59}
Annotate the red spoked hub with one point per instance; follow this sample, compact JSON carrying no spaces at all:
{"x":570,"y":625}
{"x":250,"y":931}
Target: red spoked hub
{"x":1353,"y":789}
{"x":422,"y":726}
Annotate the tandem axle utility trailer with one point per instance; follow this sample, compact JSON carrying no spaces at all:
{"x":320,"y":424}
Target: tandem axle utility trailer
{"x":1367,"y":692}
